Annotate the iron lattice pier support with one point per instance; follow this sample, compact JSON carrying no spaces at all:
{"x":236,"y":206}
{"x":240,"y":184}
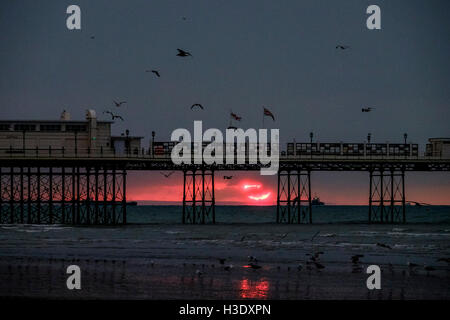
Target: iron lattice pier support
{"x":294,"y":197}
{"x":387,"y":196}
{"x":198,"y":196}
{"x":62,"y":195}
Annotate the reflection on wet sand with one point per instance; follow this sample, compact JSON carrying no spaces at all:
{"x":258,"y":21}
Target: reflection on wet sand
{"x":254,"y":289}
{"x":112,"y":279}
{"x":184,"y":262}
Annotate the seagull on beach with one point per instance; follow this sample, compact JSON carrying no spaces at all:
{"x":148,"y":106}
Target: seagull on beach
{"x":198,"y":272}
{"x":228,"y":268}
{"x":355,"y":258}
{"x":182,"y":53}
{"x":428,"y":269}
{"x":284,"y":235}
{"x":444,"y":260}
{"x":319,"y":266}
{"x":315,"y":235}
{"x":383,"y":245}
{"x":316,"y":256}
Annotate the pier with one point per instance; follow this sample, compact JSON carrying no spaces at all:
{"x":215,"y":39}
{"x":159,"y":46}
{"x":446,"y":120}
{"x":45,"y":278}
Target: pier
{"x":88,"y":186}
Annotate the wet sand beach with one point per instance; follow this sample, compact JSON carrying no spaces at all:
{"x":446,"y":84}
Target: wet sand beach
{"x":165,"y":261}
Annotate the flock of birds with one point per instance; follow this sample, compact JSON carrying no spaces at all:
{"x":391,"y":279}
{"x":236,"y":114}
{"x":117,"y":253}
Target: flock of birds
{"x":114,"y":116}
{"x":313,"y":263}
{"x":184,"y":53}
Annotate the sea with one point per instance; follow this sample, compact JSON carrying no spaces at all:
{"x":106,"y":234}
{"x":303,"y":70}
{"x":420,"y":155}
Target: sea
{"x":267,"y":214}
{"x":155,"y":256}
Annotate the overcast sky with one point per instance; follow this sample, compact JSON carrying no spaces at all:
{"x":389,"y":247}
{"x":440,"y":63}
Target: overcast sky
{"x":246,"y":54}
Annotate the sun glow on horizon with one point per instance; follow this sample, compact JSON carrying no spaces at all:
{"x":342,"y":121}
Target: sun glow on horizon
{"x":252,"y":186}
{"x":261,"y":197}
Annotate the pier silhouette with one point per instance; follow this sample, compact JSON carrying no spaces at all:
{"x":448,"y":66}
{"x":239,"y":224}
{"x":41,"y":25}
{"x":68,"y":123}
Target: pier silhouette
{"x":88,"y":186}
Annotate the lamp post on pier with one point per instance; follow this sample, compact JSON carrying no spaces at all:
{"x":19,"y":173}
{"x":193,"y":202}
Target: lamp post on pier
{"x":76,"y":144}
{"x":153,"y":143}
{"x":127,"y":142}
{"x":405,"y":136}
{"x":23,"y":140}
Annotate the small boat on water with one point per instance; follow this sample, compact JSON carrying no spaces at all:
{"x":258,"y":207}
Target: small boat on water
{"x":132,"y":203}
{"x":316,"y":202}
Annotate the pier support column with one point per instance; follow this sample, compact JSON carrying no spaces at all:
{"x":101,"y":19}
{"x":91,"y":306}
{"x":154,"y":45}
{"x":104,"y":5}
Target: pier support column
{"x":198,"y":196}
{"x":294,"y":197}
{"x":51,"y":195}
{"x":387,"y":196}
{"x":2,"y":215}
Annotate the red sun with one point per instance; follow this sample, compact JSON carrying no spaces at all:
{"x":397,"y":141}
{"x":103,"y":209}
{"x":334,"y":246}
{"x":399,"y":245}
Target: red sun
{"x":256,"y":192}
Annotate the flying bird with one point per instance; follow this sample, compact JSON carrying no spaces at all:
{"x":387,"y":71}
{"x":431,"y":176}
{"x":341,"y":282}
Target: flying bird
{"x":197,"y":105}
{"x":167,"y":174}
{"x":113,"y":116}
{"x":156,"y":72}
{"x":227,"y":177}
{"x":118,"y":104}
{"x":235,"y":116}
{"x":182,"y":53}
{"x":268,"y":113}
{"x":342,"y":47}
{"x":367,"y":109}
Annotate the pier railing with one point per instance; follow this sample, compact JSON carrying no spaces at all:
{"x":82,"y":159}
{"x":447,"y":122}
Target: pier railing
{"x":149,"y":154}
